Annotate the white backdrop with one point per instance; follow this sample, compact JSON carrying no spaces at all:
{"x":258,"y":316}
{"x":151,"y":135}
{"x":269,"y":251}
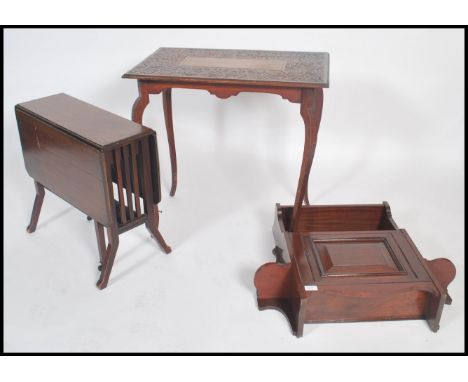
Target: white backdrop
{"x":392,"y":129}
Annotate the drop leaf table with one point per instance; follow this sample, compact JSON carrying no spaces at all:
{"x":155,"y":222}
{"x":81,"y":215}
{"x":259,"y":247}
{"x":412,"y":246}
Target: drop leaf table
{"x":100,"y":163}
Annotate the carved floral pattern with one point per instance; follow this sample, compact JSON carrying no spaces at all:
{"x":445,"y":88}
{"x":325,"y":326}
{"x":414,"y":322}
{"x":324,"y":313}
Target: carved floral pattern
{"x":301,"y":67}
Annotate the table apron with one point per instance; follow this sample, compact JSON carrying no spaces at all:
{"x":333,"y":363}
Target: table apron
{"x":221,"y":91}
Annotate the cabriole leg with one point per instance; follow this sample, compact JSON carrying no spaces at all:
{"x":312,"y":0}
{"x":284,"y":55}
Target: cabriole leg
{"x":140,"y":104}
{"x":311,"y":112}
{"x":167,"y":106}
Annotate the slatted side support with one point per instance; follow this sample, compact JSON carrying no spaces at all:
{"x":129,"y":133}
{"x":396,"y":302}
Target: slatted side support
{"x":135,"y":173}
{"x":129,"y":179}
{"x":128,"y":183}
{"x":146,"y":178}
{"x":118,"y":170}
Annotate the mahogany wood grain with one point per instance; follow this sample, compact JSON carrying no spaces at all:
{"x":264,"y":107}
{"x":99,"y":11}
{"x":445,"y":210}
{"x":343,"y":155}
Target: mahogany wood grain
{"x":365,"y":304}
{"x":64,"y":147}
{"x":82,"y":119}
{"x":64,"y":165}
{"x":280,"y":295}
{"x":360,"y":217}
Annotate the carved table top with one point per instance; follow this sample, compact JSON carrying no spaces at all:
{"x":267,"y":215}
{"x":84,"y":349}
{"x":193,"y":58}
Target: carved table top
{"x":239,"y":67}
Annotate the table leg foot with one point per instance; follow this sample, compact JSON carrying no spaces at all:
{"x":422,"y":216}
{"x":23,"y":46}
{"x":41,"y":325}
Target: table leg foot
{"x":152,"y":226}
{"x":156,"y":235}
{"x":109,"y":257}
{"x":36,"y":208}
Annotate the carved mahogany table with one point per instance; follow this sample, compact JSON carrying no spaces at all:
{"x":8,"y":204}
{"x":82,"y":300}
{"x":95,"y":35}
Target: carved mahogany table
{"x":80,"y":152}
{"x":298,"y":77}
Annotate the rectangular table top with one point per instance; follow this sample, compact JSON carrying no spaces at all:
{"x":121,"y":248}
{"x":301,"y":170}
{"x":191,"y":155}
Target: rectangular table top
{"x":86,"y":122}
{"x":235,"y":67}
